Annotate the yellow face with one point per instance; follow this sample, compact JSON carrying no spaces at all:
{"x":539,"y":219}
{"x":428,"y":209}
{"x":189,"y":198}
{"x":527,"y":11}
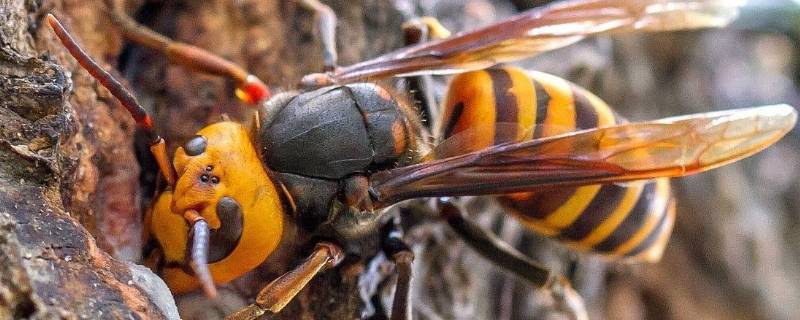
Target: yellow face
{"x":220,"y":162}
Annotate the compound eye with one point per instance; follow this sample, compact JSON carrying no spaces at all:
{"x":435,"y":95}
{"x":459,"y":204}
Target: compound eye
{"x":195,"y":146}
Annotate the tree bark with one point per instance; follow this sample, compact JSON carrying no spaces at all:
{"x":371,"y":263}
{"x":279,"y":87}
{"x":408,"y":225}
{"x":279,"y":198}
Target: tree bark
{"x":51,"y":128}
{"x":74,"y":178}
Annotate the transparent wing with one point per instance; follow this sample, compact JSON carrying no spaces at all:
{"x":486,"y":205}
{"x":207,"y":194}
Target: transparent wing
{"x":471,"y":139}
{"x":540,"y":30}
{"x":668,"y":147}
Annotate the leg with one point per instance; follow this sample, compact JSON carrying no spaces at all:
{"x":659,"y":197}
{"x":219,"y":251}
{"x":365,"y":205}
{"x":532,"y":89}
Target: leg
{"x":401,"y":254}
{"x":250,"y":89}
{"x":418,"y":31}
{"x":326,"y":22}
{"x":278,"y":293}
{"x":143,"y":120}
{"x":414,"y":32}
{"x":504,"y":255}
{"x":494,"y":248}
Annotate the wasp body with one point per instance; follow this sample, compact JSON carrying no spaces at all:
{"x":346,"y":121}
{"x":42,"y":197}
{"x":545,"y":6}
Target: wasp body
{"x":316,"y":145}
{"x":328,"y":139}
{"x":333,"y":156}
{"x":508,"y":105}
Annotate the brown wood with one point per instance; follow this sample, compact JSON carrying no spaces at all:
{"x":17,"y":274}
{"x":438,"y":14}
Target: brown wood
{"x":68,"y":168}
{"x":61,"y":151}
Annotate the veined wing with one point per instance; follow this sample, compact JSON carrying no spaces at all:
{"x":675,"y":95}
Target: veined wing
{"x":668,"y":147}
{"x":540,"y":30}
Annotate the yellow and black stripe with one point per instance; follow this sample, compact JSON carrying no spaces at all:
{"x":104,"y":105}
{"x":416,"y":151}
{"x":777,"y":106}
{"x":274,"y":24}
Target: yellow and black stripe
{"x":498,"y":105}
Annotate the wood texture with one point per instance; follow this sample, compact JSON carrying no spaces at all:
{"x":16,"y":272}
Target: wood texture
{"x":72,"y":187}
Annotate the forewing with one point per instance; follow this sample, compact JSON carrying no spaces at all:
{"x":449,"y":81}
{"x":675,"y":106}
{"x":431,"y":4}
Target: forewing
{"x":540,"y":30}
{"x":470,"y":139}
{"x":669,"y":147}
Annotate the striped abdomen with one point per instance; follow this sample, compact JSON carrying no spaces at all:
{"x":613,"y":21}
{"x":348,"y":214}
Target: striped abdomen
{"x":631,"y":220}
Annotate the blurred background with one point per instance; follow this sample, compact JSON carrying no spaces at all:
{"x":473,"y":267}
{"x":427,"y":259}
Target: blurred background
{"x":735,"y":251}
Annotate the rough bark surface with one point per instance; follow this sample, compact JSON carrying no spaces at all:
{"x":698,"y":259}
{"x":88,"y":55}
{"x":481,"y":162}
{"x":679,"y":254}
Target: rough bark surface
{"x":74,"y":178}
{"x":52,"y":267}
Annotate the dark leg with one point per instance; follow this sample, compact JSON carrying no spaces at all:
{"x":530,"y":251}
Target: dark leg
{"x":504,"y":255}
{"x":326,"y":22}
{"x":416,"y":31}
{"x":401,"y":306}
{"x":492,"y":247}
{"x":249,"y":89}
{"x":278,"y":293}
{"x":403,"y":257}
